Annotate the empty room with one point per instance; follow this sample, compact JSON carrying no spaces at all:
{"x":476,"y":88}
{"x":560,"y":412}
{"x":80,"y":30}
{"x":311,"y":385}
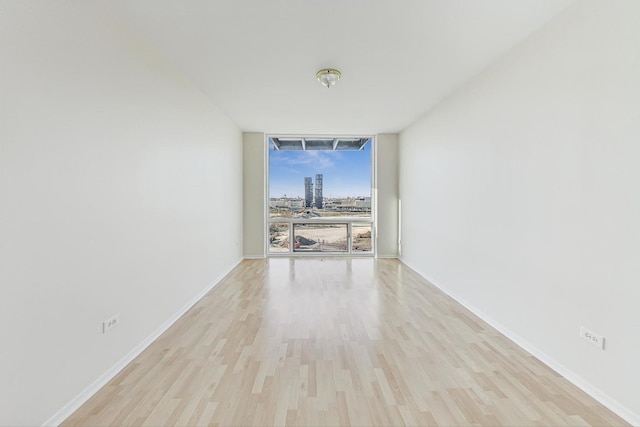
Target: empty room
{"x":305,"y":213}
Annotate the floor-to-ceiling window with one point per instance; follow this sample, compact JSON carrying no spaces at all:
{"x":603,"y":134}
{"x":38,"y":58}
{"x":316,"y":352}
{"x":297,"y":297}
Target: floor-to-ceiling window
{"x":320,"y":195}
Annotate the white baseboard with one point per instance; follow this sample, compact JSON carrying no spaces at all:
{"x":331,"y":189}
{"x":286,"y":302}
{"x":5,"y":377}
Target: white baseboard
{"x":615,"y":406}
{"x":387,"y":256}
{"x":254,"y":256}
{"x":68,"y":409}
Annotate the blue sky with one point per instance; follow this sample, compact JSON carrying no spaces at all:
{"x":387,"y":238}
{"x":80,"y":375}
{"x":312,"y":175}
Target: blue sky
{"x":345,"y":173}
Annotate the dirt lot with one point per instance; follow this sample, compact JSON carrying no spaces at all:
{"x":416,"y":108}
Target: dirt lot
{"x":321,"y":238}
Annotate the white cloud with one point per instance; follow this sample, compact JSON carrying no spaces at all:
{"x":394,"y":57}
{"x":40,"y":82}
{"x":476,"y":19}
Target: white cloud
{"x":321,"y":160}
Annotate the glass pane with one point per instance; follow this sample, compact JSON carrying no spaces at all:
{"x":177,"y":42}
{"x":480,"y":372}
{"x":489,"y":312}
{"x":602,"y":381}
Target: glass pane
{"x":318,"y":177}
{"x":320,"y":237}
{"x":279,"y":238}
{"x":361,"y":240}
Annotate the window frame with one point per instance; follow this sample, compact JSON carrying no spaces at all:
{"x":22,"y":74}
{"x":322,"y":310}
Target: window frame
{"x":372,"y":220}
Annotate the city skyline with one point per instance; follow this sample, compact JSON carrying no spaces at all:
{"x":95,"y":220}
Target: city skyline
{"x":345,"y":173}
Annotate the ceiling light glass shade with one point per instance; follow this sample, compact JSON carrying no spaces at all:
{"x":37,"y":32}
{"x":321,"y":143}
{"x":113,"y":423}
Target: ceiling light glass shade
{"x":328,"y":76}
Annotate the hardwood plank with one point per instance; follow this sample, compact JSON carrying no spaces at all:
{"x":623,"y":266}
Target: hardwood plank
{"x":335,"y":341}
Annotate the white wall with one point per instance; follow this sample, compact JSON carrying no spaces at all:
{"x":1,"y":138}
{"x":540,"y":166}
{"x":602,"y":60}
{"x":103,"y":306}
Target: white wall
{"x":254,"y":194}
{"x":521,"y":196}
{"x":387,"y":191}
{"x":120,"y":192}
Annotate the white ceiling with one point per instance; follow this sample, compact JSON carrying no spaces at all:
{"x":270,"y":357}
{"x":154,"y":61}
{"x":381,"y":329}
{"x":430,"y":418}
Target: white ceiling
{"x":257,"y":59}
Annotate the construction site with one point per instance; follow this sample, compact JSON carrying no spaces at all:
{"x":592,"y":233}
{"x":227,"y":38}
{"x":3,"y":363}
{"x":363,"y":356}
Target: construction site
{"x":309,"y":237}
{"x":316,"y":223}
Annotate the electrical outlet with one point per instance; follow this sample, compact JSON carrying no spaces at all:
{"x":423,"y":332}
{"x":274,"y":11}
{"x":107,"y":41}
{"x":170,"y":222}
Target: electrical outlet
{"x":592,"y":337}
{"x":110,"y":323}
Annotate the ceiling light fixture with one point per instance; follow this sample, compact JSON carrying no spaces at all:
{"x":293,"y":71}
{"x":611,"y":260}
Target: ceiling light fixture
{"x":328,"y":76}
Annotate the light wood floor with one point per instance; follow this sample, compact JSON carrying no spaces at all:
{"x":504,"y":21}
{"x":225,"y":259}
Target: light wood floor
{"x":335,"y":342}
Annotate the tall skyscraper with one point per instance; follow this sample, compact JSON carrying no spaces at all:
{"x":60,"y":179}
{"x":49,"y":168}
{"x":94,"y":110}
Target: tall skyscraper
{"x":318,"y":191}
{"x":308,"y":192}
